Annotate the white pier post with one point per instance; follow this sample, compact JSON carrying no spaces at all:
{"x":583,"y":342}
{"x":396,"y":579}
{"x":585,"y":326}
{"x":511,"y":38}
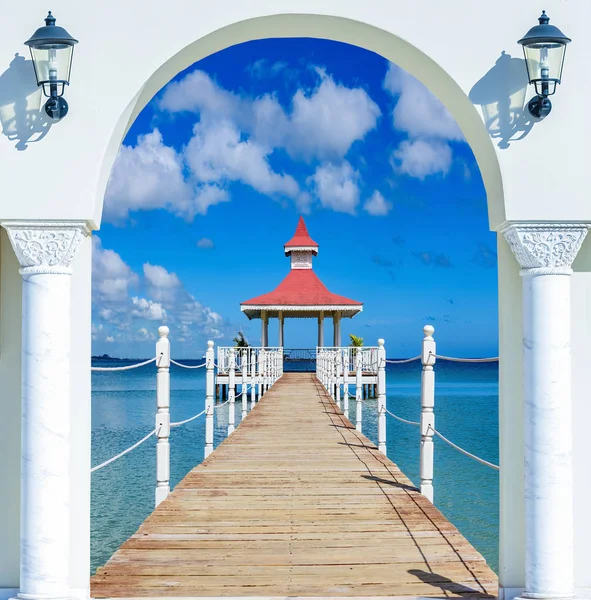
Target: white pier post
{"x":346,"y":383}
{"x":358,"y":389}
{"x":163,"y":415}
{"x":244,"y":388}
{"x":427,"y":414}
{"x":381,"y":396}
{"x":545,"y":252}
{"x":209,"y":393}
{"x":45,"y":251}
{"x":232,"y":391}
{"x":339,"y":375}
{"x":261,"y":363}
{"x":252,"y":357}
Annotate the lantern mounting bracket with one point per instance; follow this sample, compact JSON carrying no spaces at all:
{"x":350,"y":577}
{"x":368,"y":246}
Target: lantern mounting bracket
{"x":539,"y":106}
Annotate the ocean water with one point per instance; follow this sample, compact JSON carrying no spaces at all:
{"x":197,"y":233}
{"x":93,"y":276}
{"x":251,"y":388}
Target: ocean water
{"x":466,"y":411}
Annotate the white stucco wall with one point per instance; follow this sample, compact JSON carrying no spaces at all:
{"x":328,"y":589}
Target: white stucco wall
{"x":451,"y":52}
{"x":10,"y":409}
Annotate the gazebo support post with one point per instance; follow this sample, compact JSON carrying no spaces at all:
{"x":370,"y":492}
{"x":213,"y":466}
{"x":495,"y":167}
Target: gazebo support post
{"x":321,"y":329}
{"x":336,"y":320}
{"x":281,"y":338}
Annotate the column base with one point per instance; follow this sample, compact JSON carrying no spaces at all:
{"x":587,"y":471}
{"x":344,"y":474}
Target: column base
{"x":531,"y":596}
{"x":20,"y":596}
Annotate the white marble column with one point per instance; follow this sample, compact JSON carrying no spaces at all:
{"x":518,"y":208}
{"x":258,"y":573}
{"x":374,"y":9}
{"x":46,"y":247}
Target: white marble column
{"x":321,"y":329}
{"x":45,"y":252}
{"x":545,"y":253}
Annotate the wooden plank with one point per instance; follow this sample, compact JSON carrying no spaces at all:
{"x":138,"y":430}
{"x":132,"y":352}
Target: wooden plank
{"x":296,"y":503}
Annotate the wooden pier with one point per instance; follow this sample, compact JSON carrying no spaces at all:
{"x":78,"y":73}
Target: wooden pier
{"x":295,"y":502}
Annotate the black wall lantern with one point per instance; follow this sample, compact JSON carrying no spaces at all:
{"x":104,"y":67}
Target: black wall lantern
{"x":52,"y":48}
{"x":544,"y":47}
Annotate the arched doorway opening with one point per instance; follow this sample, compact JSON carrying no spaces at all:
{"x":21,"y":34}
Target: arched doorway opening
{"x":424,"y":258}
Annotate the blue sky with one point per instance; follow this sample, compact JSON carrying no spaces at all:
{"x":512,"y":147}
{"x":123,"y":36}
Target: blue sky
{"x":214,"y":173}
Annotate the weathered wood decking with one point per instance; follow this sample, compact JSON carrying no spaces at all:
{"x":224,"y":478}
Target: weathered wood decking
{"x":295,"y":503}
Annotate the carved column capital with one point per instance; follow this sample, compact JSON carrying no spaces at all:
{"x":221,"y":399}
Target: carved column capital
{"x":46,"y":247}
{"x":545,"y":248}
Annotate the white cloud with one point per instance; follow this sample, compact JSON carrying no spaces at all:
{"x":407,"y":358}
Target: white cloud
{"x":217,"y":153}
{"x":418,"y":112}
{"x":323,"y":123}
{"x":263,"y":68}
{"x":233,"y":141}
{"x":205,"y":243}
{"x":326,"y":123}
{"x":336,"y":187}
{"x":162,"y":297}
{"x":197,"y":92}
{"x":112,"y":277}
{"x":159,"y":277}
{"x":421,"y":158}
{"x":149,"y":176}
{"x":147,"y":309}
{"x":377,"y":205}
{"x":427,"y":122}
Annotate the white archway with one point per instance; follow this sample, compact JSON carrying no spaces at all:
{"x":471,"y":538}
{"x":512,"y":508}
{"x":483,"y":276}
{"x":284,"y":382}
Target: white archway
{"x":449,"y":52}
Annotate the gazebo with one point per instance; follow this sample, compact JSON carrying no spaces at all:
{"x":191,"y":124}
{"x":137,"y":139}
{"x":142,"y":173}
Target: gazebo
{"x":301,"y":295}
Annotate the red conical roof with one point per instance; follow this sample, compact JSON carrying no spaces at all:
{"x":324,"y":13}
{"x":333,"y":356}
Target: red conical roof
{"x":302,"y":287}
{"x":301,"y":237}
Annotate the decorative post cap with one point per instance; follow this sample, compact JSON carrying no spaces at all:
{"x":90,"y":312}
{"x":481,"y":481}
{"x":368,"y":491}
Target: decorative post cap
{"x":210,"y":344}
{"x":163,"y":331}
{"x":428,"y":330}
{"x":381,"y":342}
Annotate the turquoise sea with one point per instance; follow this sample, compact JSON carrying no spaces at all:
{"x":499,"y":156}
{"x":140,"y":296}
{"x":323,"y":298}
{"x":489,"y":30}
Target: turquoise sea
{"x":124,"y":405}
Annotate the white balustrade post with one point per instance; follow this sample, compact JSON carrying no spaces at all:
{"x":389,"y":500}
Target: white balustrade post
{"x":381,"y":396}
{"x":45,"y":252}
{"x":253,"y":377}
{"x":209,"y":394}
{"x":163,"y":415}
{"x":232,"y":391}
{"x":339,"y":375}
{"x":545,"y":252}
{"x":358,"y":389}
{"x":260,"y":380}
{"x":244,"y":387}
{"x":346,"y":383}
{"x":427,"y":415}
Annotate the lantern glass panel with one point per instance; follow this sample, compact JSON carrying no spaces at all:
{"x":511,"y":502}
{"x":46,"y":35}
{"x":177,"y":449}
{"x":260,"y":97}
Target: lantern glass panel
{"x":52,"y":64}
{"x":544,"y":65}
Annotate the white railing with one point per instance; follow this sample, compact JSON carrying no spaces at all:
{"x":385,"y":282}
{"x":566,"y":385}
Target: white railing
{"x":260,"y":367}
{"x":334,"y":367}
{"x":248,"y":355}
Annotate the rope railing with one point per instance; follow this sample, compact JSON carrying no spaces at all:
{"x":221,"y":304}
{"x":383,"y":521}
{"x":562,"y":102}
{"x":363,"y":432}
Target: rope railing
{"x":178,"y":364}
{"x":261,"y":372}
{"x":465,"y":452}
{"x":468,"y":360}
{"x":127,"y":451}
{"x":403,"y":361}
{"x":179,"y":423}
{"x":416,"y":423}
{"x":126,"y":367}
{"x":332,"y":371}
